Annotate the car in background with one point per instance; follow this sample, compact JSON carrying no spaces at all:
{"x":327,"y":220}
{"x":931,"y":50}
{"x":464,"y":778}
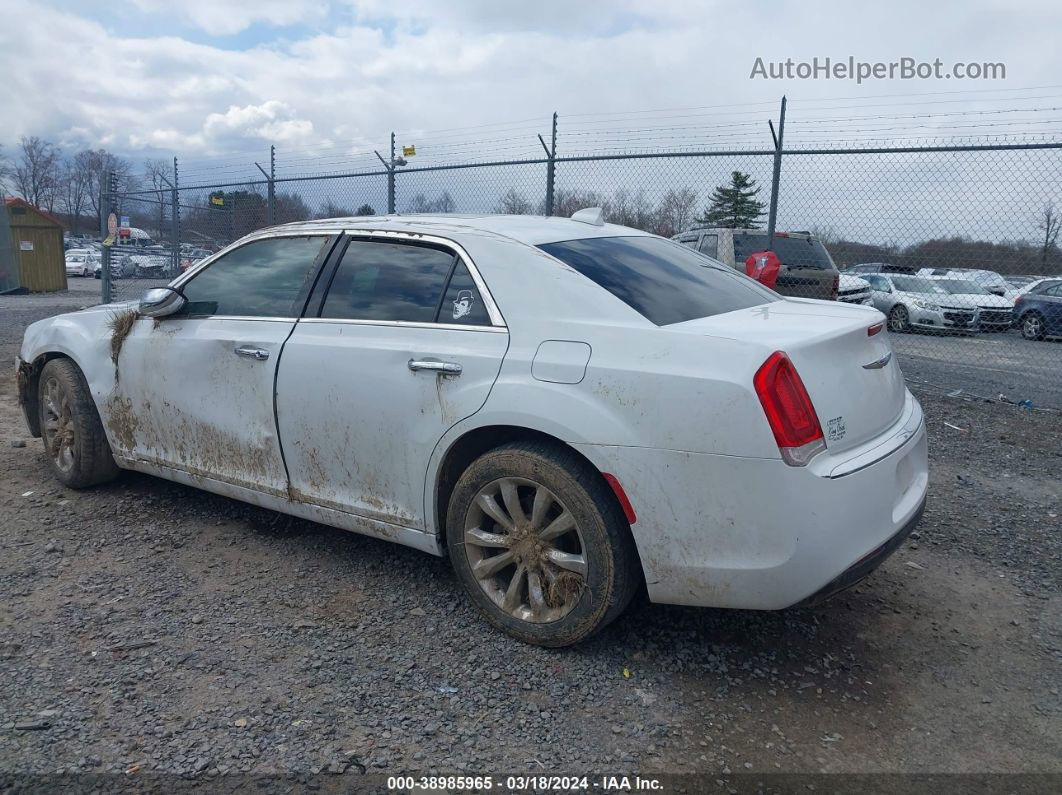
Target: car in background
{"x":806,"y":271}
{"x":588,"y":412}
{"x":1019,"y":282}
{"x":879,"y":267}
{"x":1039,"y":311}
{"x":853,"y":290}
{"x":80,"y":262}
{"x":994,"y":312}
{"x":989,"y":280}
{"x":910,"y":302}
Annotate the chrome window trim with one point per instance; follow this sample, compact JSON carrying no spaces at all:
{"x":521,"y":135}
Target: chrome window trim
{"x":493,"y":312}
{"x":405,"y":324}
{"x":261,"y":319}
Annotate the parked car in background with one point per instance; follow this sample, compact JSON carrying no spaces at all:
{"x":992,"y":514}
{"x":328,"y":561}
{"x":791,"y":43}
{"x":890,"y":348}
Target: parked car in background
{"x":80,"y":262}
{"x":879,"y":267}
{"x":853,"y":290}
{"x":910,"y":302}
{"x":994,"y":312}
{"x":586,"y":410}
{"x":1018,"y":282}
{"x":807,"y":270}
{"x":1039,"y":311}
{"x":989,"y":280}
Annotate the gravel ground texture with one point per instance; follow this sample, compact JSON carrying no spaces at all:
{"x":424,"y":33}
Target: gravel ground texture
{"x":149,"y":628}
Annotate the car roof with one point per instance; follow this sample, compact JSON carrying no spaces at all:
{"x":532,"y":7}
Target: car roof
{"x":534,"y":230}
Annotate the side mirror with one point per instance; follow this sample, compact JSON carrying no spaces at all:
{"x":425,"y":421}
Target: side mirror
{"x":161,"y":302}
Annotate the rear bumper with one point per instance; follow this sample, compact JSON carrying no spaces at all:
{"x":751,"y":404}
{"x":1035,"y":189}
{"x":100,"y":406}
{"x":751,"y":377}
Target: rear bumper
{"x":863,"y":567}
{"x":753,"y":533}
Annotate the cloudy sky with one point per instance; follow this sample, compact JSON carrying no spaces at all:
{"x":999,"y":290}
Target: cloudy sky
{"x":208,"y":77}
{"x":217,"y":81}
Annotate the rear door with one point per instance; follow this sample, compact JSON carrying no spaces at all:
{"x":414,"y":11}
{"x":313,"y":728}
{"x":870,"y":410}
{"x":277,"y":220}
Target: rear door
{"x":402,"y":341}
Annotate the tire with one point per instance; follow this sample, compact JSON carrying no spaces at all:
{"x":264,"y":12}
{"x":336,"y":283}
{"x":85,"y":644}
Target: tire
{"x":550,"y":605}
{"x":899,"y":319}
{"x":1032,"y":326}
{"x":82,"y":457}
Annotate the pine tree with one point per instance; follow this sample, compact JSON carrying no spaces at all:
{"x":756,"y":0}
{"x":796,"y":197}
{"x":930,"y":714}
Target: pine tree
{"x":736,"y":206}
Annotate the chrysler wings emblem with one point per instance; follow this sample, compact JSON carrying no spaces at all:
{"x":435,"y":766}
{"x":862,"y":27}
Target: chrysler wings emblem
{"x":877,"y":364}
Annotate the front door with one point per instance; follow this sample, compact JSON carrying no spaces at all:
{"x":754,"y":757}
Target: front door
{"x":401,"y":347}
{"x":194,"y":391}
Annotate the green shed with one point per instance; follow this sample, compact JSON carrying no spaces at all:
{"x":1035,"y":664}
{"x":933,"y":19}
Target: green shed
{"x":34,"y":258}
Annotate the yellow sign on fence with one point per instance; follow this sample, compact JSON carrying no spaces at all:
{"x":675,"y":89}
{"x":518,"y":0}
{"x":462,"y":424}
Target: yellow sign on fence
{"x":409,"y":151}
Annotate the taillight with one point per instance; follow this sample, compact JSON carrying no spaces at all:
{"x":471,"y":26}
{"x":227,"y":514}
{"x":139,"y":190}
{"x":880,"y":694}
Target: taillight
{"x":836,"y":286}
{"x":875,"y":329}
{"x":789,"y":410}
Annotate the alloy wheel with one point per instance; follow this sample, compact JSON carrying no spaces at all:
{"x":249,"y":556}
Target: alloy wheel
{"x":60,"y":437}
{"x":1032,"y":328}
{"x":525,"y":550}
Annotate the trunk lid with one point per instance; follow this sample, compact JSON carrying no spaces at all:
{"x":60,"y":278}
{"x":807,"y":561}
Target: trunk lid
{"x":852,"y":378}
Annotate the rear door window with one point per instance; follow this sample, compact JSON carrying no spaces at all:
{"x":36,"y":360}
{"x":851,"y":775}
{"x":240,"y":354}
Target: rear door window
{"x":709,"y":245}
{"x":662,"y":280}
{"x":379,"y":280}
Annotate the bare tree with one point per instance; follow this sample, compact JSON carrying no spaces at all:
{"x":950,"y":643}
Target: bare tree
{"x":675,"y":213}
{"x":1049,"y":225}
{"x":37,"y":172}
{"x":100,"y":163}
{"x":631,"y":209}
{"x":331,"y":209}
{"x":6,"y":172}
{"x":156,"y":172}
{"x":513,"y":203}
{"x":75,"y":188}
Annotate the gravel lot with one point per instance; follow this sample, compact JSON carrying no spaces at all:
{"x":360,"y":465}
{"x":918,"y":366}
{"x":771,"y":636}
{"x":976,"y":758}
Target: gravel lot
{"x":158,"y":629}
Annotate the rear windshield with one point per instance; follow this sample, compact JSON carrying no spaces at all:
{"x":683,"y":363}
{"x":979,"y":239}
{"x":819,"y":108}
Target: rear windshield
{"x":794,"y":252}
{"x":665,"y":282}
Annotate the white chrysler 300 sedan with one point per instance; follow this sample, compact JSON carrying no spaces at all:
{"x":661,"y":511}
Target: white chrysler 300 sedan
{"x":569,"y":409}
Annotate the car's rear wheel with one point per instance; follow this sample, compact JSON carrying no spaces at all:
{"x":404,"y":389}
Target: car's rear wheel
{"x":73,"y":435}
{"x":1032,"y":326}
{"x":540,"y":545}
{"x":899,"y":320}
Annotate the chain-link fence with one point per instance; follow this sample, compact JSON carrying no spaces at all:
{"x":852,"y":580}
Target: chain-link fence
{"x":955,"y":244}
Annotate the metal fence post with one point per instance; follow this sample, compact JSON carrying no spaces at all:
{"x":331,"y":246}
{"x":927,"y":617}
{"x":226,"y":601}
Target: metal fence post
{"x":391,"y":179}
{"x":271,"y":207}
{"x":107,"y":206}
{"x":551,"y":167}
{"x":772,"y":216}
{"x":175,"y":221}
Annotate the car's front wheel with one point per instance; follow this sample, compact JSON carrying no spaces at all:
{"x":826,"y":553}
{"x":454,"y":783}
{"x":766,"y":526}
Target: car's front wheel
{"x":899,"y":319}
{"x":77,"y":447}
{"x":1032,"y":326}
{"x":540,"y":544}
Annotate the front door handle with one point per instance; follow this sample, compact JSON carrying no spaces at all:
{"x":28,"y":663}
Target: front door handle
{"x":259,"y":354}
{"x":447,"y":368}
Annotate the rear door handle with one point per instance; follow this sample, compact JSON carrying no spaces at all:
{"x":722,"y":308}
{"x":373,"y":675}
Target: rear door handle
{"x":448,"y":368}
{"x":259,"y":354}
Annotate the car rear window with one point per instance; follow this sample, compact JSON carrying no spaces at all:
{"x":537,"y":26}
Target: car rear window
{"x":794,"y":252}
{"x":665,"y":282}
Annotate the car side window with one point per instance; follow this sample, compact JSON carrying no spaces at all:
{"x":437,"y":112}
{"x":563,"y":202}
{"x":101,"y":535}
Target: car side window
{"x":462,"y":303}
{"x":709,"y":245}
{"x":263,"y":278}
{"x":382,"y":280}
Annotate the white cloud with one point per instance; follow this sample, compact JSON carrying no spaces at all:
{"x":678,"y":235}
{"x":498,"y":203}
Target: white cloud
{"x":424,"y":65}
{"x":226,"y":17}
